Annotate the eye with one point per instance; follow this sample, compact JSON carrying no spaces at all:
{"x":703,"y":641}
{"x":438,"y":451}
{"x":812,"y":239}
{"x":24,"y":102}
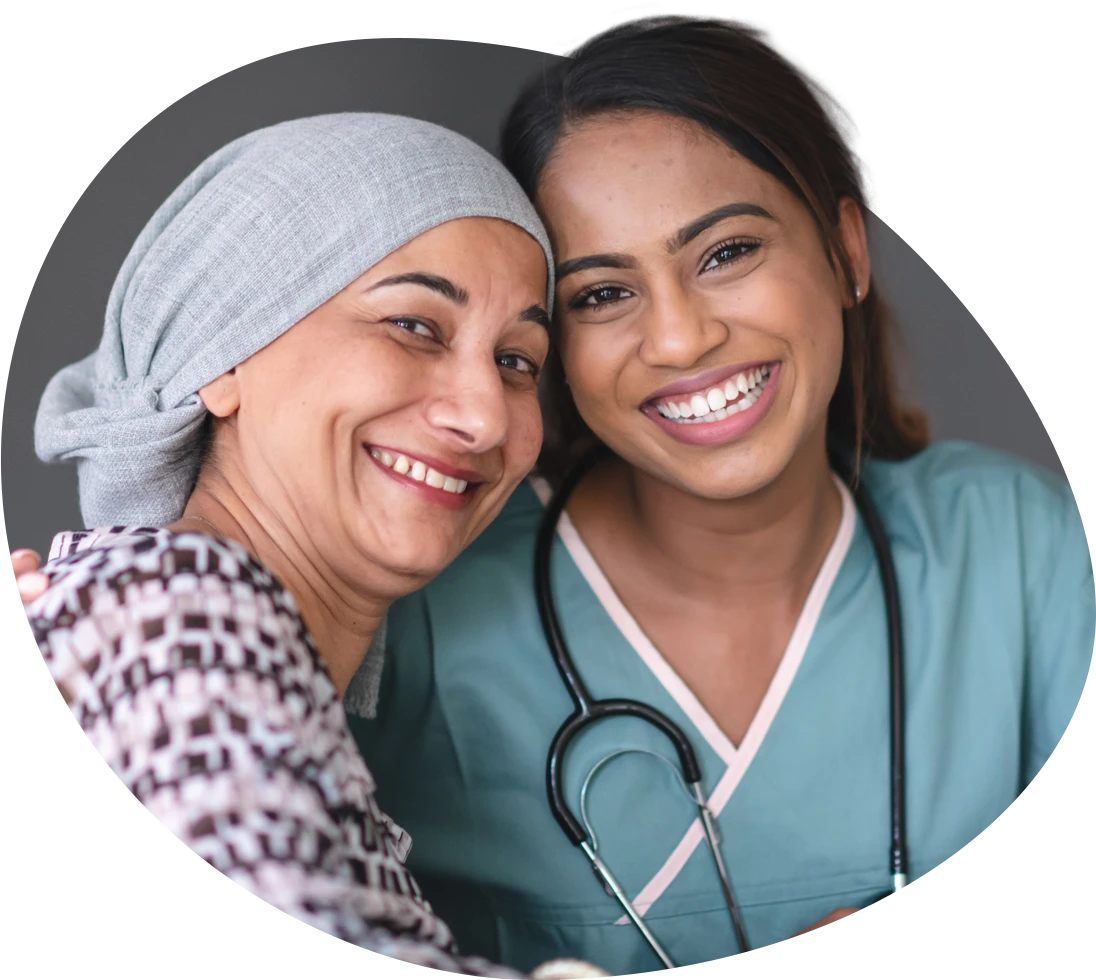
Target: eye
{"x":596,"y":296}
{"x":416,"y":327}
{"x":519,"y":363}
{"x":727,"y":252}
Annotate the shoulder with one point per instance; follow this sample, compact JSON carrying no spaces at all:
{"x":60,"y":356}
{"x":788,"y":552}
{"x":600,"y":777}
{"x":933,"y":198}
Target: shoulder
{"x":115,"y":557}
{"x":154,"y":617}
{"x":147,"y":597}
{"x":981,"y":518}
{"x":956,"y":483}
{"x":519,"y":518}
{"x":504,"y":549}
{"x":494,"y":572}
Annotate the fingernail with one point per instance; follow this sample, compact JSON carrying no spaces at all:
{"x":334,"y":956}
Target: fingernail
{"x":26,"y":553}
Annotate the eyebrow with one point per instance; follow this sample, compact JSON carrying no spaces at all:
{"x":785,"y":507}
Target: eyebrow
{"x":613,"y":260}
{"x":536,"y":314}
{"x":676,"y":242}
{"x":439,"y":284}
{"x":684,"y":235}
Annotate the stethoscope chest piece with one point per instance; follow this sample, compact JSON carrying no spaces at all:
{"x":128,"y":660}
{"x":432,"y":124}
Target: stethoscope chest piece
{"x":588,"y":711}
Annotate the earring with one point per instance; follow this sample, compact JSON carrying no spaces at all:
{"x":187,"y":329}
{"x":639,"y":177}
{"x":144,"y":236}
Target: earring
{"x":858,"y":293}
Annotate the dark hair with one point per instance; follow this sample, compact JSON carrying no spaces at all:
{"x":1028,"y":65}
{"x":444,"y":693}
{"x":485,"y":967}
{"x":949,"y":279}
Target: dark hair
{"x":723,"y":76}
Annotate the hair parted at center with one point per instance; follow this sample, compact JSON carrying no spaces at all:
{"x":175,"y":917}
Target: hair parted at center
{"x":723,"y":76}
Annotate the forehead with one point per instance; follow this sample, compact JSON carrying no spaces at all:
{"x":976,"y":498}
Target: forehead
{"x":623,"y":178}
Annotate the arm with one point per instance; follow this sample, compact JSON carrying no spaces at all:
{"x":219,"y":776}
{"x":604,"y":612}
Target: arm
{"x":1062,"y":623}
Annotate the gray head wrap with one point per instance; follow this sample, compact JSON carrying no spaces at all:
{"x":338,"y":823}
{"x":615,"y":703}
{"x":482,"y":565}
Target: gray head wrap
{"x":262,"y":233}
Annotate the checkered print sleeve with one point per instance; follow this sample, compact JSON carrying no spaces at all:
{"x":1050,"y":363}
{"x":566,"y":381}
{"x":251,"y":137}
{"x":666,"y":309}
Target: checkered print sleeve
{"x":190,"y":669}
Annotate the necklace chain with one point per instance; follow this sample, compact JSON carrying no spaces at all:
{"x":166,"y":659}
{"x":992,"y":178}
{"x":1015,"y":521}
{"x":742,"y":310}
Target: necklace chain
{"x":196,"y":517}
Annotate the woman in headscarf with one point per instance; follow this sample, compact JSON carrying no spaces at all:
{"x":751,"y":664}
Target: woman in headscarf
{"x":316,"y":385}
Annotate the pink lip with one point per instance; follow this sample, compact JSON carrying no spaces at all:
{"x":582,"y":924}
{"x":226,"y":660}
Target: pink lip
{"x":704,"y":380}
{"x":726,"y":430}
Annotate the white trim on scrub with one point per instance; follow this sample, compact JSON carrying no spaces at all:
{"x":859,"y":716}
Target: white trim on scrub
{"x":737,"y":759}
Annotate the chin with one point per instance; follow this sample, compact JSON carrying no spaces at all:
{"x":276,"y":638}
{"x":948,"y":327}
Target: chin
{"x":423,"y":565}
{"x":734,"y":476}
{"x":419,"y":560}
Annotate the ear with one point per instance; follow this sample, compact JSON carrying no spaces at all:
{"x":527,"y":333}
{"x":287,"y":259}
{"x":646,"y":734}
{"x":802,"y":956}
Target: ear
{"x":855,"y":239}
{"x":221,"y":396}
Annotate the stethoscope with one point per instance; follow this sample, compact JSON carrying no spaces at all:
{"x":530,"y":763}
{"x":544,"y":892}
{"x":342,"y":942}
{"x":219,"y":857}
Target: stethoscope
{"x":589,"y":710}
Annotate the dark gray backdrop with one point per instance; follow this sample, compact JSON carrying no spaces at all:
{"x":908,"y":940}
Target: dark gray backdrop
{"x":948,"y":362}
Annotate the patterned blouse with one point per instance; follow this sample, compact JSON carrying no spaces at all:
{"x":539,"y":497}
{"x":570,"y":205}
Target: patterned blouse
{"x":190,"y":669}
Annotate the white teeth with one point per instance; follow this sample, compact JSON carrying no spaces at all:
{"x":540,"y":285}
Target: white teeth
{"x":736,"y":395}
{"x":418,"y":470}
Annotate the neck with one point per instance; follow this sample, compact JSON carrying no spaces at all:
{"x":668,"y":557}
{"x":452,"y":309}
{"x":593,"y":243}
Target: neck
{"x":763,"y":547}
{"x":341,"y":618}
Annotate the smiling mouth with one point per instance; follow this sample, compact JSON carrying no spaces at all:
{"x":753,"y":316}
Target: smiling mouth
{"x":713,"y":404}
{"x":420,"y":472}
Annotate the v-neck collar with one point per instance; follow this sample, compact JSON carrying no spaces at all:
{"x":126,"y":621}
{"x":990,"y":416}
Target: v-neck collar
{"x":790,"y":660}
{"x":736,"y":758}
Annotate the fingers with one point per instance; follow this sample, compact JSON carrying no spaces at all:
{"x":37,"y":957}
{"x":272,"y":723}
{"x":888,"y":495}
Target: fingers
{"x":25,"y":560}
{"x":832,"y":919}
{"x":31,"y":586}
{"x":565,"y":969}
{"x":31,"y":582}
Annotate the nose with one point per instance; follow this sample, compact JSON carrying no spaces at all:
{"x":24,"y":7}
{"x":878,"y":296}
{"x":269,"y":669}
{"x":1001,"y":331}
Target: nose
{"x":467,"y":404}
{"x":678,"y":331}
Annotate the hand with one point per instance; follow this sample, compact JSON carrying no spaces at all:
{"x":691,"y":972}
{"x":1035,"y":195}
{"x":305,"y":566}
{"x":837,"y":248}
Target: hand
{"x":832,"y":917}
{"x":31,"y":582}
{"x":565,"y":969}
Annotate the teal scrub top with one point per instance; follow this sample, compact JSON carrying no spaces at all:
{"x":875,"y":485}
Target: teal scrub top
{"x":998,"y":618}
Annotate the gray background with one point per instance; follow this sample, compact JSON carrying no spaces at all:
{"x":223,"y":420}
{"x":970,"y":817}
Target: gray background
{"x":948,"y":362}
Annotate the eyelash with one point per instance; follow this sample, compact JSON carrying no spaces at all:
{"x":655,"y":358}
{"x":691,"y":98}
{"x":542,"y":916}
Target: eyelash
{"x":533,"y":371}
{"x":746,"y":246}
{"x":533,"y":368}
{"x":399,"y":321}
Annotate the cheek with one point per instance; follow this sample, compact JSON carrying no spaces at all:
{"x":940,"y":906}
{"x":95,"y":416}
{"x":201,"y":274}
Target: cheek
{"x":803,"y":313}
{"x":526,"y":434}
{"x":821,"y":345}
{"x":591,"y":364}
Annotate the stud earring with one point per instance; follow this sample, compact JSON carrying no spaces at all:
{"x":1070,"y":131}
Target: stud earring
{"x":858,"y":293}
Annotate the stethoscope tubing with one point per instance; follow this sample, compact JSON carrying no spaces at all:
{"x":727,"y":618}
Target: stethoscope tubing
{"x":589,"y":710}
{"x":885,"y":560}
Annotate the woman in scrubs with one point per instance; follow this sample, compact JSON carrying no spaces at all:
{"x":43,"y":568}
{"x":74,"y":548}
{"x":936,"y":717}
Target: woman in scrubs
{"x":718,"y":331}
